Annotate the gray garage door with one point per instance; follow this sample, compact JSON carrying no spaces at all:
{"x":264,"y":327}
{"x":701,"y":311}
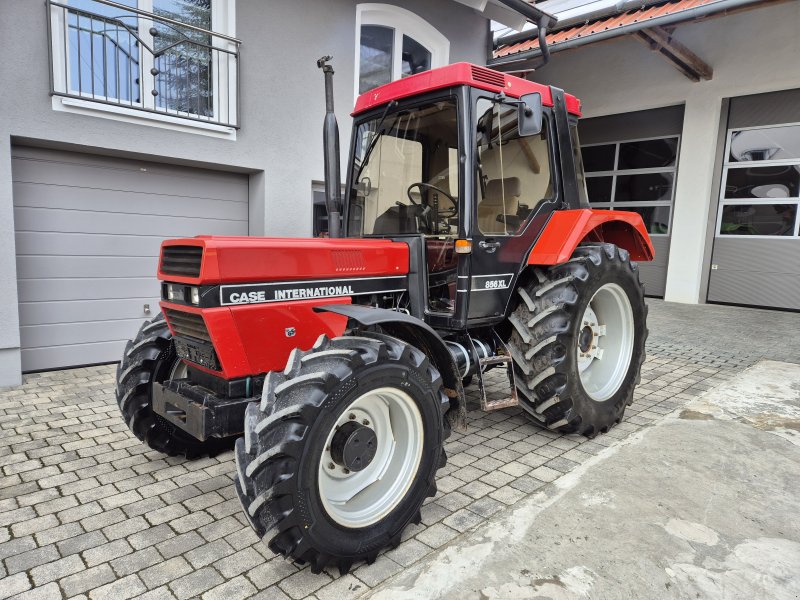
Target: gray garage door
{"x":631,"y":163}
{"x":756,"y":257}
{"x":88,"y":231}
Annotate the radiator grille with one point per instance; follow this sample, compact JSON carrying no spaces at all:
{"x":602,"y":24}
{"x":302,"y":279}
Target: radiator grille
{"x":187,"y":324}
{"x":488,"y":76}
{"x":182,"y":260}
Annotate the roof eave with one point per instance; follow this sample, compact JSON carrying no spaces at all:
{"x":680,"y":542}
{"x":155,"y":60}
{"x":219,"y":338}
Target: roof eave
{"x":661,"y":21}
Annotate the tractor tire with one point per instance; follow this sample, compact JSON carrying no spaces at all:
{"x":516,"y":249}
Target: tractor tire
{"x":578,"y":340}
{"x":149,"y":358}
{"x":316,"y":481}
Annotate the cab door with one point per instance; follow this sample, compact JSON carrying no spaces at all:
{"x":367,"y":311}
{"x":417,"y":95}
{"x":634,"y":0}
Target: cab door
{"x":514,"y":194}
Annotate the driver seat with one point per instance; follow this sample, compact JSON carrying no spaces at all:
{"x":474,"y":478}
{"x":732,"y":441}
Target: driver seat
{"x":492,"y":204}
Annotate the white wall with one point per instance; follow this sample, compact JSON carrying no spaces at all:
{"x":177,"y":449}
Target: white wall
{"x":751,"y":52}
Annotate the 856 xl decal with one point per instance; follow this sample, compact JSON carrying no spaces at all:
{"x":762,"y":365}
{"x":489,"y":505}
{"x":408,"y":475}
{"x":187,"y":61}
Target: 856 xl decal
{"x":261,"y":293}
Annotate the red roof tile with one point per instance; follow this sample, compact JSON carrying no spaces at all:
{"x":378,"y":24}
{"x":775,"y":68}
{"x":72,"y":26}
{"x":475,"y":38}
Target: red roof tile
{"x":587,"y":30}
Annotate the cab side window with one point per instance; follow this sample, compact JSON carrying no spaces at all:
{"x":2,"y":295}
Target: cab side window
{"x":514,"y":174}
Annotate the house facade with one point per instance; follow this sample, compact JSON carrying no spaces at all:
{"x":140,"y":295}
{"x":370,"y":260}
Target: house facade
{"x":691,"y":118}
{"x":127,"y":122}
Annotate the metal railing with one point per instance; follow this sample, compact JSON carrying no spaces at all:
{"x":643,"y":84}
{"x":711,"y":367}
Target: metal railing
{"x":122,"y":56}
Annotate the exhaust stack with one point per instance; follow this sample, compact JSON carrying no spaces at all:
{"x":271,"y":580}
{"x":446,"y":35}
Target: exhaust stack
{"x":330,"y":142}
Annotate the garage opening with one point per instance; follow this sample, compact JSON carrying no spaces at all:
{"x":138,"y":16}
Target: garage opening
{"x":88,"y":230}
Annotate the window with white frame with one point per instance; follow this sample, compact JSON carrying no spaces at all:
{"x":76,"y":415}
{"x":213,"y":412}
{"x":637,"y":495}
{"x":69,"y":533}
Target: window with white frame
{"x":165,"y":57}
{"x":393,"y":43}
{"x":760,"y":191}
{"x":634,"y":175}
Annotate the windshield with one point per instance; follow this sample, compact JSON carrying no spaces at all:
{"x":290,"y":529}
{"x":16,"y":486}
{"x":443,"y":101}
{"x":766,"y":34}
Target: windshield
{"x":405,"y":173}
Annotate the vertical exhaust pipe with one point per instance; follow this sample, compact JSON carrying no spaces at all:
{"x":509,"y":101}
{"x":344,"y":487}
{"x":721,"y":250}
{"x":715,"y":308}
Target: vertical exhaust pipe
{"x":330,"y":142}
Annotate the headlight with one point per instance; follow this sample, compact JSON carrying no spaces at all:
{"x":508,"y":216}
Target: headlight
{"x":196,"y":296}
{"x":174,"y":292}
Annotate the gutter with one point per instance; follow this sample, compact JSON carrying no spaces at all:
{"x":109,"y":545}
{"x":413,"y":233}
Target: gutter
{"x":685,"y":15}
{"x":543,"y":22}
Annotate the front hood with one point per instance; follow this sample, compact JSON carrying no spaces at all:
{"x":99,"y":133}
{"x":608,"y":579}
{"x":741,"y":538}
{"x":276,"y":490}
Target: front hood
{"x":209,"y":260}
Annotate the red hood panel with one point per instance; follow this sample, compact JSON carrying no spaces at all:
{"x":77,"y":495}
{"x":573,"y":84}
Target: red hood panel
{"x":254,"y":259}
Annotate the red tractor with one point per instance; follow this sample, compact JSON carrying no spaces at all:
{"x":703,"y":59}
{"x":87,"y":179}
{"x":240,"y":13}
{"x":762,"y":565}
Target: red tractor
{"x":465,"y":243}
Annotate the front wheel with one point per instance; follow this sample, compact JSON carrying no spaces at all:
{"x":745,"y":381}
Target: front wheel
{"x":150,"y":358}
{"x":578,"y":340}
{"x":343,"y":449}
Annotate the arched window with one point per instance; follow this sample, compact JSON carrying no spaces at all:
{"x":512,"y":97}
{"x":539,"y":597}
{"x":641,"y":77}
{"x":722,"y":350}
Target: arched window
{"x":392,"y":42}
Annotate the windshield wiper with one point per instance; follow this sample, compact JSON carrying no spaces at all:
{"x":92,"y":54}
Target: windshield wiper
{"x":374,"y":142}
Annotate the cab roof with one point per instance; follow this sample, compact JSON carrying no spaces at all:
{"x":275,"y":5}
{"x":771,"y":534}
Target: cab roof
{"x":459,"y":74}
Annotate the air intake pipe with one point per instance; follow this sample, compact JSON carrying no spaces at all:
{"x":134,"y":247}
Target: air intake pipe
{"x":330,"y":143}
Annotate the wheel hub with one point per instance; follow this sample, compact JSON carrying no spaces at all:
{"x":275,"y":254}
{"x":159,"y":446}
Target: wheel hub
{"x":585,"y":339}
{"x":354,"y":446}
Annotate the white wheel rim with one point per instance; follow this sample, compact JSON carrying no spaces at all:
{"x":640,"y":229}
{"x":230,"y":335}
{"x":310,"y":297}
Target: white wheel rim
{"x":179,"y":370}
{"x":359,"y":499}
{"x":605,"y":342}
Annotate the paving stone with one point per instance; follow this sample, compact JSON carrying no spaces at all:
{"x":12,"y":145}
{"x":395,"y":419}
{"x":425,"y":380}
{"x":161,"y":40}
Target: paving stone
{"x":15,"y":584}
{"x":462,"y":520}
{"x":545,"y":473}
{"x":409,"y":552}
{"x":138,"y":561}
{"x":303,"y":583}
{"x":50,"y":591}
{"x":377,"y":572}
{"x":206,"y":554}
{"x":238,"y":563}
{"x":195,"y":583}
{"x":56,"y":570}
{"x":81,"y":542}
{"x":344,"y":588}
{"x":28,"y":526}
{"x":219,"y":528}
{"x":87,"y":580}
{"x":106,"y":552}
{"x":486,"y":506}
{"x":17,"y":546}
{"x":24,"y":561}
{"x":437,"y":535}
{"x":234,"y":589}
{"x":122,"y":589}
{"x":160,"y":593}
{"x":165,"y":572}
{"x":152,"y":536}
{"x":268,"y":573}
{"x":180,"y":544}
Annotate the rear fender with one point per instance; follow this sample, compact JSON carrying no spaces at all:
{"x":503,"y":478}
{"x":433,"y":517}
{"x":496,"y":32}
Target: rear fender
{"x":419,"y":334}
{"x":568,"y":228}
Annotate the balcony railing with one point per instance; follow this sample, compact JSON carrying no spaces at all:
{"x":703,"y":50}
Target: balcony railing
{"x":117,"y":55}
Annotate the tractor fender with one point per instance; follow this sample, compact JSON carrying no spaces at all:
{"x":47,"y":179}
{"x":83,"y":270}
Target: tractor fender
{"x":567,"y":228}
{"x":420,"y":335}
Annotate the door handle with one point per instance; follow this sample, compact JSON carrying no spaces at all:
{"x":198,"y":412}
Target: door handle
{"x":489,"y":246}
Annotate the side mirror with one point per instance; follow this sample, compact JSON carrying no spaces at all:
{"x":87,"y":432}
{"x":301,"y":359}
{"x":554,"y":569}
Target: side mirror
{"x":530,"y":115}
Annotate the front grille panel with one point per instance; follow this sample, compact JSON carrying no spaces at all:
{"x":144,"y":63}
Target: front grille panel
{"x":182,"y":260}
{"x":187,"y":324}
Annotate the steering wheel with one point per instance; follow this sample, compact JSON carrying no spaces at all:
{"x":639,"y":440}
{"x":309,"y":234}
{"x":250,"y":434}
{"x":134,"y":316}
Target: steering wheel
{"x":447,"y":213}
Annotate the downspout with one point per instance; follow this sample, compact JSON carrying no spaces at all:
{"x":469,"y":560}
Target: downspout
{"x":541,"y":19}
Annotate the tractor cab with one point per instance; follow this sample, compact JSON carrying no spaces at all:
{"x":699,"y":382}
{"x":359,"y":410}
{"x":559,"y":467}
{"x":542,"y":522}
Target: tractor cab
{"x":466,"y":165}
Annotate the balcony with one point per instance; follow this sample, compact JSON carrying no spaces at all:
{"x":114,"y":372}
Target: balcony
{"x":164,"y":63}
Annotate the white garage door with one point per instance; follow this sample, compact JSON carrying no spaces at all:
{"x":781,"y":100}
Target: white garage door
{"x":88,"y":230}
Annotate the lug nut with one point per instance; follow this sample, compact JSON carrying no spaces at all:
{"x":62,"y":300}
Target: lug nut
{"x":331,"y":466}
{"x":352,"y":416}
{"x":365,"y":422}
{"x":346,"y":471}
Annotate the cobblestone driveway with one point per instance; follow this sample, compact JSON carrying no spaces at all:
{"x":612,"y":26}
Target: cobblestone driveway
{"x":88,"y":511}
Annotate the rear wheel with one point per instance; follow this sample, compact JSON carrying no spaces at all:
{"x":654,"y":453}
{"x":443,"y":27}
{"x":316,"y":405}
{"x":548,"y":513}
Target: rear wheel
{"x":578,"y":340}
{"x":150,"y":358}
{"x":342,"y":451}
